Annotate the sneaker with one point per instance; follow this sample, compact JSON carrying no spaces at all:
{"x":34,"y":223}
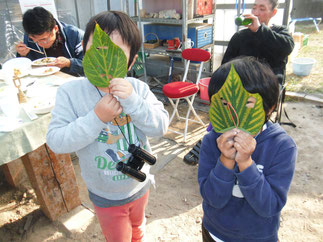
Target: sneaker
{"x":192,"y":157}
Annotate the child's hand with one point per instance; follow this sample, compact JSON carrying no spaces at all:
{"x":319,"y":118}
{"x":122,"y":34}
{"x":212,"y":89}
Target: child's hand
{"x":245,"y":145}
{"x":120,"y":87}
{"x":107,"y":108}
{"x":226,"y":146}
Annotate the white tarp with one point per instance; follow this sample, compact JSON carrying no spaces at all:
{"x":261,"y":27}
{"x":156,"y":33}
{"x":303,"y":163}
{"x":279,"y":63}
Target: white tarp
{"x":47,"y":4}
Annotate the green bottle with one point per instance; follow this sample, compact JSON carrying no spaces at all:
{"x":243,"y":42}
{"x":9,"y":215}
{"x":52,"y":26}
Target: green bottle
{"x":241,"y":20}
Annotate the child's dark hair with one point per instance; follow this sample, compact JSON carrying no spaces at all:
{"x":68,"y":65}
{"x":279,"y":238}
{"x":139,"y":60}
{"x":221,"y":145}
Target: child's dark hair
{"x":110,"y":21}
{"x":37,"y":21}
{"x":256,"y":77}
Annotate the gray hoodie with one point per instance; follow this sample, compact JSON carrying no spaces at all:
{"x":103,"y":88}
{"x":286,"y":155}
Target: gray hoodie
{"x":75,"y":127}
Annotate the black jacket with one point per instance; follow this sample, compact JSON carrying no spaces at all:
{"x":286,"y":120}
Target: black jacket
{"x":272,"y":45}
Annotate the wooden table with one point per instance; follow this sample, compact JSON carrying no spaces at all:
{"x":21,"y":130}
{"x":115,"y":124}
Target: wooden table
{"x":51,"y":175}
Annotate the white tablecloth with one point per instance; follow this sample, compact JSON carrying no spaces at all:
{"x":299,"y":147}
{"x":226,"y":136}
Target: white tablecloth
{"x":29,"y":134}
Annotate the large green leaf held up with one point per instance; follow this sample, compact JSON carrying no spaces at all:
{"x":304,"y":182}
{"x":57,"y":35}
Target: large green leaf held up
{"x":232,"y":106}
{"x":104,"y":60}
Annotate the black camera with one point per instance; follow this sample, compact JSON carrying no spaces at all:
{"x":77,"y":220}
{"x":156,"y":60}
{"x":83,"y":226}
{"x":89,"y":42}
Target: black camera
{"x":135,"y":163}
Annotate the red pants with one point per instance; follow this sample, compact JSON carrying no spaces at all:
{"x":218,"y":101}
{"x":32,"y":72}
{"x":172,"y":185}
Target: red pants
{"x":124,"y":223}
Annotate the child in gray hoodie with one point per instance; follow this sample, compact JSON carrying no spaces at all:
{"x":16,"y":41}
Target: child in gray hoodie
{"x":99,"y":124}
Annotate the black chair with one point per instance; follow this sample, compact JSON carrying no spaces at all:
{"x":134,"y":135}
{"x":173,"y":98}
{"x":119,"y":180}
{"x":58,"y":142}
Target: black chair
{"x":280,"y":104}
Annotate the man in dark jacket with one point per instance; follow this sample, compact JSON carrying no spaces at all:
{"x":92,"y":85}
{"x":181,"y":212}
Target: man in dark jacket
{"x":270,"y":44}
{"x":54,"y":39}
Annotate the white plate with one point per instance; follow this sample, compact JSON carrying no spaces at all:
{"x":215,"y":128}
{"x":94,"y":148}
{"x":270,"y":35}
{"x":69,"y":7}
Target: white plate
{"x":44,"y":71}
{"x":42,"y":62}
{"x":42,"y":106}
{"x":20,"y":64}
{"x":41,"y":92}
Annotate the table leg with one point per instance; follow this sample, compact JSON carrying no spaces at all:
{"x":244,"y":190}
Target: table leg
{"x":14,"y":172}
{"x":53,"y":179}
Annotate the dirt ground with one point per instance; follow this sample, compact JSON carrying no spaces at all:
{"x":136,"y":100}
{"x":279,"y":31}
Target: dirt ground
{"x":174,"y":211}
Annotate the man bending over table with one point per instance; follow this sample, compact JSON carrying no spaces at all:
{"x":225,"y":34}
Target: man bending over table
{"x":45,"y":34}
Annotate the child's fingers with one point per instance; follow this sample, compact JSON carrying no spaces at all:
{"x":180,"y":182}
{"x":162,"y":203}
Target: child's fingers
{"x":119,"y":111}
{"x":238,"y":147}
{"x":107,"y":98}
{"x":117,"y":85}
{"x":225,"y":140}
{"x":229,"y":143}
{"x":119,"y":94}
{"x":115,"y":107}
{"x":118,"y":82}
{"x":121,"y":91}
{"x":244,"y":138}
{"x":232,"y":152}
{"x":116,"y":88}
{"x":229,"y":134}
{"x":113,"y":101}
{"x":242,"y":144}
{"x":245,"y":146}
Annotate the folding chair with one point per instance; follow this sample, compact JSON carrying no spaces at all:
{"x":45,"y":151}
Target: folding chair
{"x":280,"y":104}
{"x":175,"y":91}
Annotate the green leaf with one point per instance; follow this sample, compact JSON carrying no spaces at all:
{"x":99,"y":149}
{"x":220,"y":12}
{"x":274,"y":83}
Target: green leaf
{"x":104,"y":60}
{"x":235,"y":112}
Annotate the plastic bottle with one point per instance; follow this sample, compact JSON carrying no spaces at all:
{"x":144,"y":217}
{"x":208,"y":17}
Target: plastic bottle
{"x":241,"y":20}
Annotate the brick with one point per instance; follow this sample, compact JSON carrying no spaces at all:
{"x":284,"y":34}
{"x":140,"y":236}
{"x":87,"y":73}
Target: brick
{"x":74,"y":223}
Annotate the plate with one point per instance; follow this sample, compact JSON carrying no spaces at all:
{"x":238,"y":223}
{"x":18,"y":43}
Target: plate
{"x":43,"y":61}
{"x":42,"y":106}
{"x":19,"y":65}
{"x":44,"y":71}
{"x":39,"y":92}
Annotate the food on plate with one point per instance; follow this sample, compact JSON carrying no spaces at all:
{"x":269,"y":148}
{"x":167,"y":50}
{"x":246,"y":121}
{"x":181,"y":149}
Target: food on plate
{"x":48,"y":70}
{"x":42,"y":104}
{"x":44,"y":70}
{"x":44,"y":61}
{"x":16,"y":72}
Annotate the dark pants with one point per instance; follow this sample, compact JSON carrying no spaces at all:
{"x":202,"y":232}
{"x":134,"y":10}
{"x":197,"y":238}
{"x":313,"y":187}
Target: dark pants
{"x":206,"y":236}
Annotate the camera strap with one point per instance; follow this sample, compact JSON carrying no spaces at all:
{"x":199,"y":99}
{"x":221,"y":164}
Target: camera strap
{"x":117,"y":122}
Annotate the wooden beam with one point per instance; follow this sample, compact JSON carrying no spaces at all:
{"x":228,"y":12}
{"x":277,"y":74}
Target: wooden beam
{"x":14,"y":172}
{"x":53,"y":179}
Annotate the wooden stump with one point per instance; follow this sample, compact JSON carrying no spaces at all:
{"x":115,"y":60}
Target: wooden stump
{"x":53,"y":179}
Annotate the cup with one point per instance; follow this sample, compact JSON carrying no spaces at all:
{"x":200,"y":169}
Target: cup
{"x":189,"y":43}
{"x":171,"y":44}
{"x":9,"y":103}
{"x":177,"y":42}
